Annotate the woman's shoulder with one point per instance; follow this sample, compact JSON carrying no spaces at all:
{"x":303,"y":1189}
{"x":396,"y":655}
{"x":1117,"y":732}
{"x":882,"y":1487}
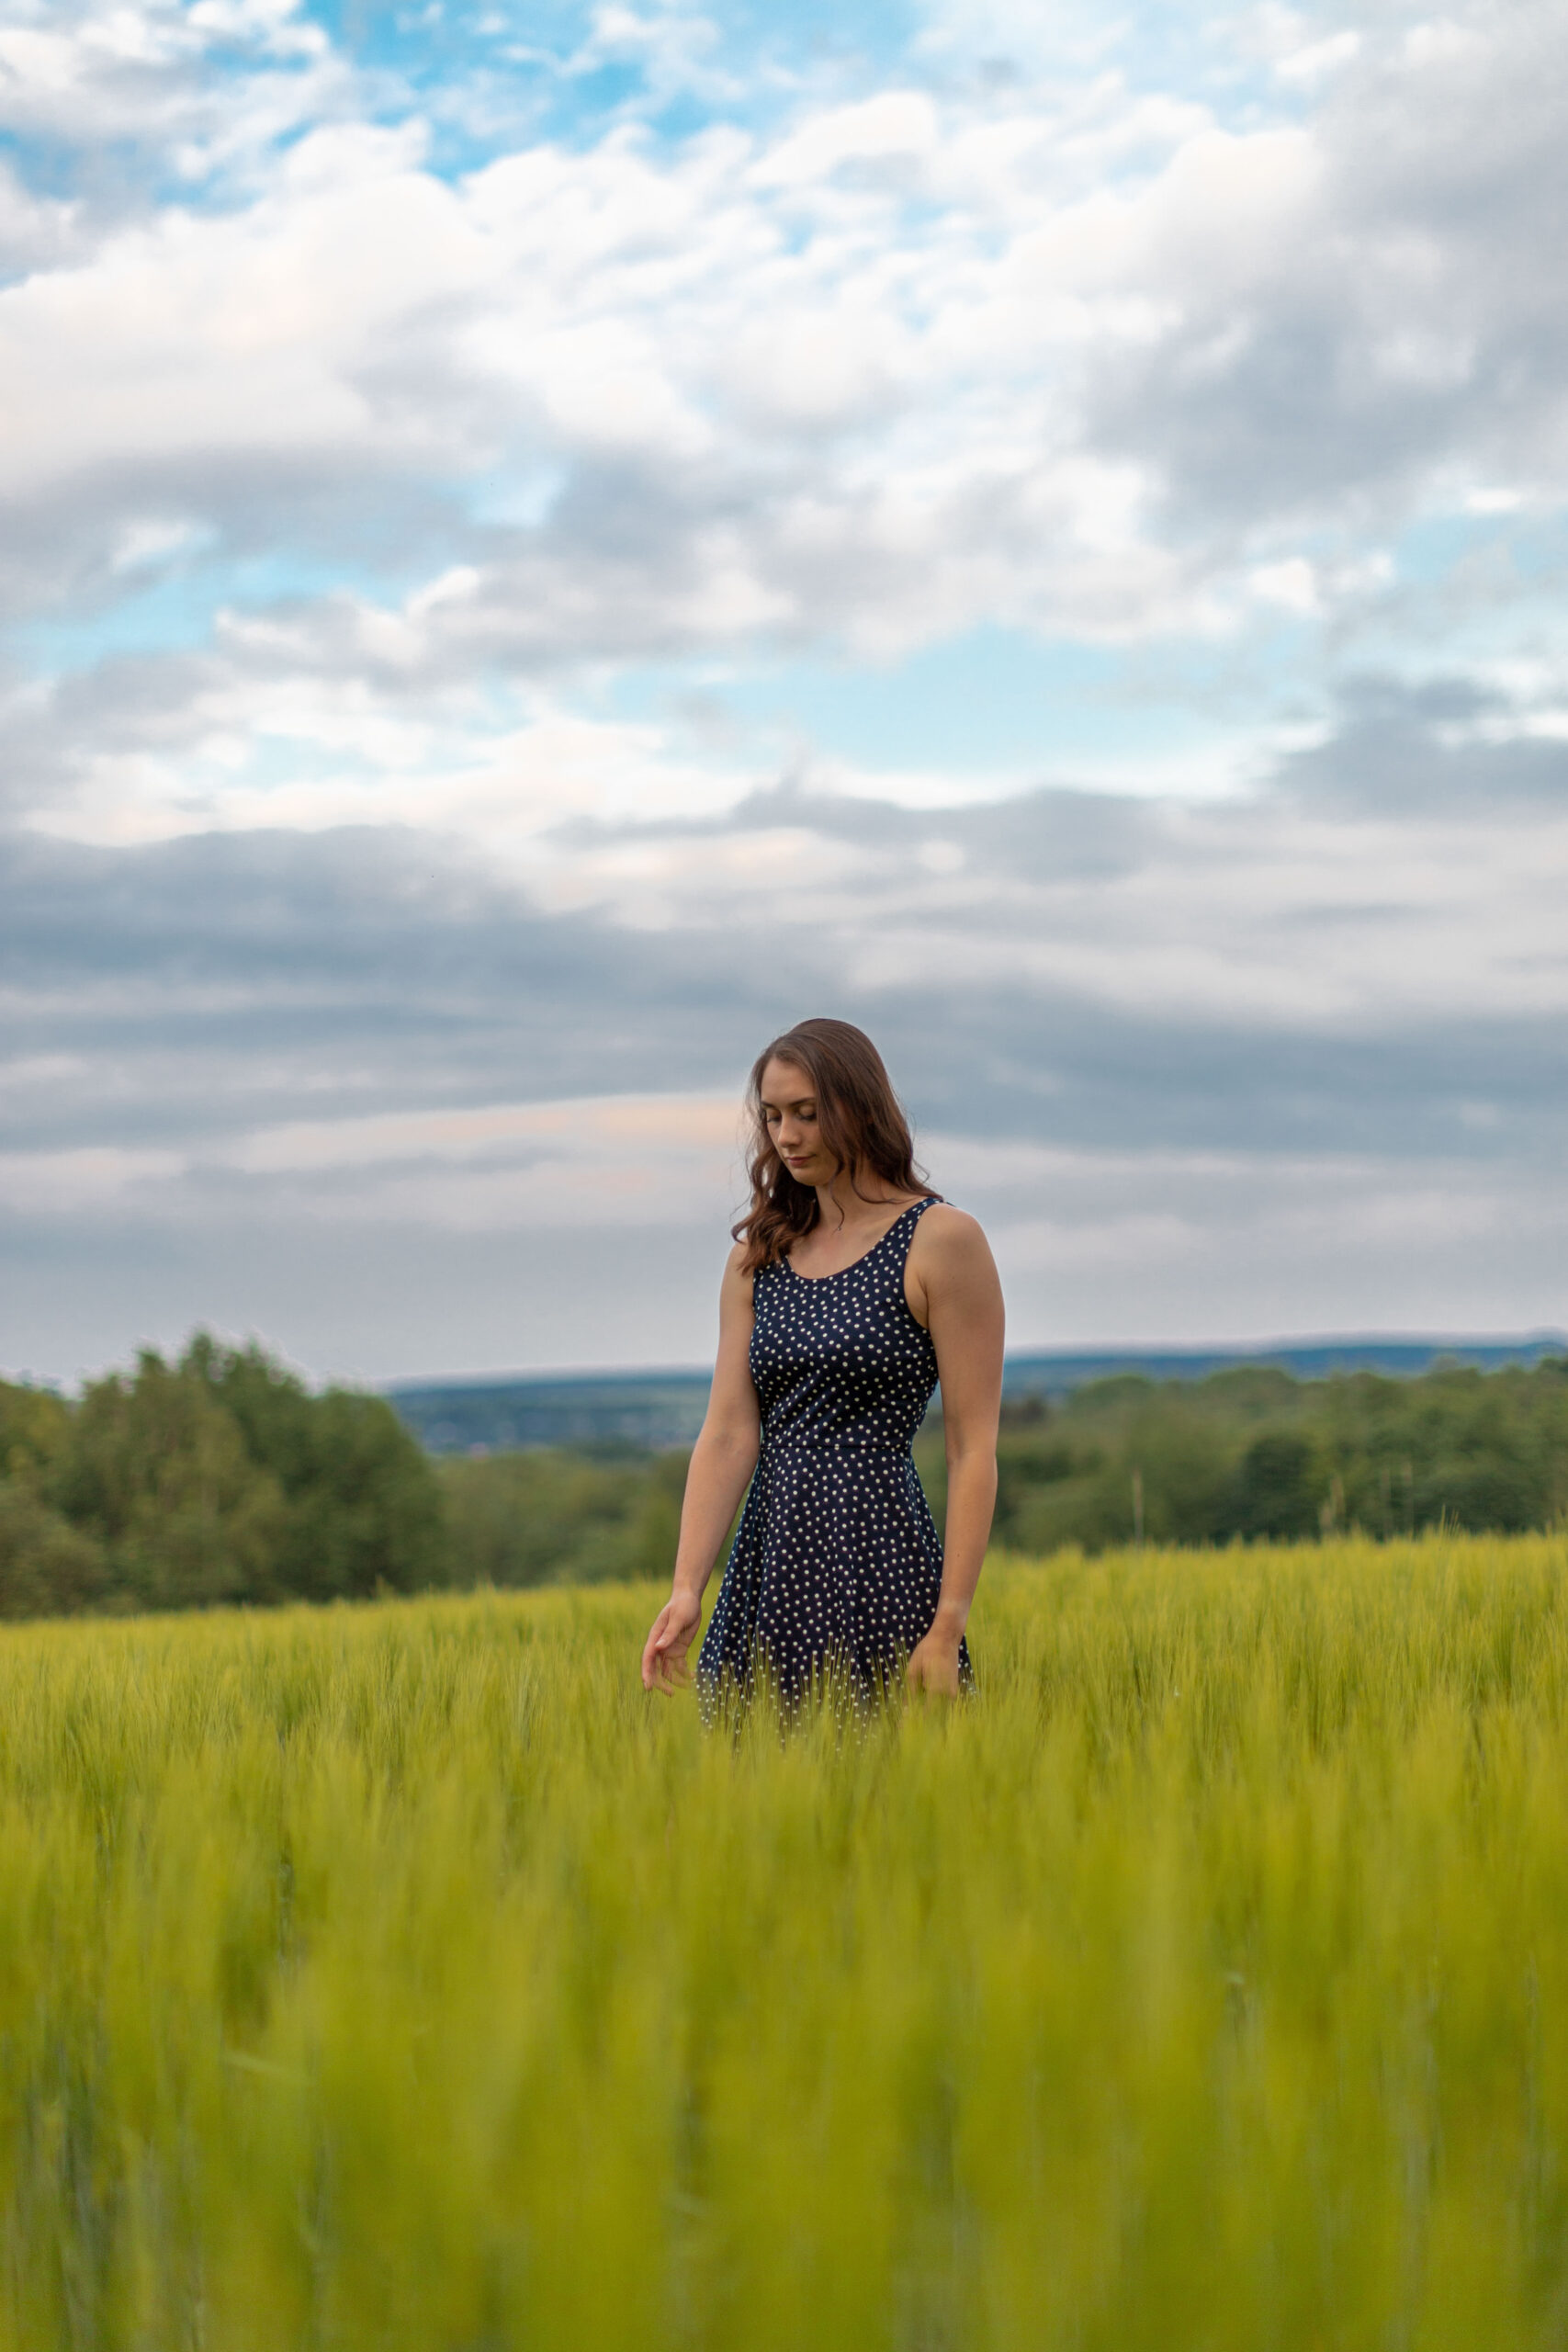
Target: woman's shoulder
{"x":946,"y":1232}
{"x":740,"y":1275}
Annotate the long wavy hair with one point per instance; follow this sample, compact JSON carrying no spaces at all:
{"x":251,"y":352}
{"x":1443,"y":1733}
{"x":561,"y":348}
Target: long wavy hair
{"x":862,"y":1121}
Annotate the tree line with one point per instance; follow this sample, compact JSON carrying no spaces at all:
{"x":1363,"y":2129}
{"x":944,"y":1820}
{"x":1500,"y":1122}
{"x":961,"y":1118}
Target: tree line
{"x":217,"y":1479}
{"x":1251,"y":1454}
{"x":222,"y":1477}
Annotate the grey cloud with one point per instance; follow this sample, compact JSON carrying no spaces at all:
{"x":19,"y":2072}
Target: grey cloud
{"x":1442,"y":744}
{"x":363,"y":1303}
{"x":36,"y":232}
{"x":212,"y":984}
{"x":1412,"y":318}
{"x":337,"y":509}
{"x":124,"y":93}
{"x":1103,"y":1252}
{"x":1055,"y":832}
{"x":177,"y":996}
{"x":206,"y":984}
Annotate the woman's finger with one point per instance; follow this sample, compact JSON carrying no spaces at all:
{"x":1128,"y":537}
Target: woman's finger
{"x":651,"y":1648}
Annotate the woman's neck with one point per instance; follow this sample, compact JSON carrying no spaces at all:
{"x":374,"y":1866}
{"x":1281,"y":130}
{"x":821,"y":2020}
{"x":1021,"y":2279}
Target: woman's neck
{"x":841,"y":1207}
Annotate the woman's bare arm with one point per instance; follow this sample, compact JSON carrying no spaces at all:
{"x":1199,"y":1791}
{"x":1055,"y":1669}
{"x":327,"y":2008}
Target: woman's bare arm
{"x":722,"y":1462}
{"x":953,"y":1277}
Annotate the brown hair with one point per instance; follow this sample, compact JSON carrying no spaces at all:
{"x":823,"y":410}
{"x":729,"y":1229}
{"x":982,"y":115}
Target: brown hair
{"x":862,"y":1121}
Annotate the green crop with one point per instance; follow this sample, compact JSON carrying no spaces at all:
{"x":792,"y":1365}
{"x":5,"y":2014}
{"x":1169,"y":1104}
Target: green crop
{"x":400,"y":1977}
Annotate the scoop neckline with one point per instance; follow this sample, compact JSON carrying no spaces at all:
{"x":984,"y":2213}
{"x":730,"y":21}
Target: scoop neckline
{"x":864,"y":1254}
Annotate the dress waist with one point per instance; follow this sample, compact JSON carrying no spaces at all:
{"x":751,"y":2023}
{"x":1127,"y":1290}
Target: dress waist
{"x":861,"y":1449}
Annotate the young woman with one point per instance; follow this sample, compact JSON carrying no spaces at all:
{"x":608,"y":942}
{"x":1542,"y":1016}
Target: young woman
{"x":851,"y":1289}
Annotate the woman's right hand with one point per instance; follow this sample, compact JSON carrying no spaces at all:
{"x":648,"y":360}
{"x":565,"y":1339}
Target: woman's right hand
{"x":664,"y":1664}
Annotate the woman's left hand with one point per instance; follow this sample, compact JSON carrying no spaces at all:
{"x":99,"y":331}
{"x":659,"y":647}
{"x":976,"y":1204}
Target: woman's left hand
{"x":933,"y":1664}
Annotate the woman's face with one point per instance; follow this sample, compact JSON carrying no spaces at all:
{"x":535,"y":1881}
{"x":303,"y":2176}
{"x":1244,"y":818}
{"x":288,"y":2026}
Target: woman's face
{"x":789,"y":1114}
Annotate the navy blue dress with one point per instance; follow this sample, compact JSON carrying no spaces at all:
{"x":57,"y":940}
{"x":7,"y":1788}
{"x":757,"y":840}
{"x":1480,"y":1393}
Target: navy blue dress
{"x":837,"y":1563}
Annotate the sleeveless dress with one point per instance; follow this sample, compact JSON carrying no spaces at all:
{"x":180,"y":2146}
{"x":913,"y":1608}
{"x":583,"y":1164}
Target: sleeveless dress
{"x":837,"y":1563}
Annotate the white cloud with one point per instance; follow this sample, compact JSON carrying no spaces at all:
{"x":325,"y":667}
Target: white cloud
{"x":66,"y":1184}
{"x":231,"y":335}
{"x":833,"y":410}
{"x":204,"y":92}
{"x":1291,"y":584}
{"x":895,"y":124}
{"x":497,"y":1168}
{"x":304,"y":753}
{"x":1311,"y":64}
{"x":1254,"y":1247}
{"x":675,"y":49}
{"x":154,"y":540}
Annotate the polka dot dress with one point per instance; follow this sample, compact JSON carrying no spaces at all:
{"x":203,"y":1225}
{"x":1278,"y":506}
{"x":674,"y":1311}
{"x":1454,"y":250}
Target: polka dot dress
{"x":837,"y":1563}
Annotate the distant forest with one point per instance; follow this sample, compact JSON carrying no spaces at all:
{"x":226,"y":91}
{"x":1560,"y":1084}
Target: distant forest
{"x":222,"y":1478}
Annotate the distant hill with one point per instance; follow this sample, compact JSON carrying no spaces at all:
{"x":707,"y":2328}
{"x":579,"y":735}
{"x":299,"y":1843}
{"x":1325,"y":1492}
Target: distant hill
{"x":1054,"y":1375}
{"x":637,"y":1408}
{"x":659,"y":1409}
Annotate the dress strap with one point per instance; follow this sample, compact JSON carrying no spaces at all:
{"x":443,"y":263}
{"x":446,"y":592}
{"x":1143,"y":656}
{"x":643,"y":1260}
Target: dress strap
{"x":908,"y":1218}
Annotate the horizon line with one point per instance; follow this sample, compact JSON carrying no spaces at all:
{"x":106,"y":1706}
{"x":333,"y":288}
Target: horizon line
{"x":1240,"y":1351}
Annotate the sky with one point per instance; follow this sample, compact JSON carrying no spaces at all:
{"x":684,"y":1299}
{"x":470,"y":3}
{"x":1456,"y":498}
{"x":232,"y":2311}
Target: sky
{"x":540,"y":544}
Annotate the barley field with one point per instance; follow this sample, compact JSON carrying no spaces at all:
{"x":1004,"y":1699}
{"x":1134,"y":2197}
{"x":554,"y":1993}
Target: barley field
{"x":401,"y":1977}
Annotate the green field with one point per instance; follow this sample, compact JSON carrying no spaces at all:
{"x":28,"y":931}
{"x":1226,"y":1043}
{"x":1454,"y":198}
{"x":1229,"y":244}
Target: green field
{"x":400,"y":1977}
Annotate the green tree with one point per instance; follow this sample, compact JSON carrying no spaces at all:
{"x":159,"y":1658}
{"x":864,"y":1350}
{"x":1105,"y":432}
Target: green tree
{"x":656,"y":1527}
{"x":35,"y":1431}
{"x":156,"y":1471}
{"x":364,"y":1511}
{"x":548,"y":1515}
{"x":47,"y":1566}
{"x":1278,"y":1488}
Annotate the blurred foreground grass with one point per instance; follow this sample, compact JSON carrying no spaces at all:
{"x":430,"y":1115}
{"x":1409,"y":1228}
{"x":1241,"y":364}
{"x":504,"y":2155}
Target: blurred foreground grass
{"x":401,"y":1977}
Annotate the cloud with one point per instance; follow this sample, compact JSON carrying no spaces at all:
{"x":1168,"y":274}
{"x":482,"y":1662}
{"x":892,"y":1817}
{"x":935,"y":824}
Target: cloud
{"x":788,"y":398}
{"x":1407,"y":870}
{"x":495,"y":1168}
{"x":409,"y":482}
{"x":1297,"y":970}
{"x":146,"y":102}
{"x":479,"y":1275}
{"x":1253,"y":1246}
{"x":1486,"y":749}
{"x":64,"y":1183}
{"x":355,"y":1092}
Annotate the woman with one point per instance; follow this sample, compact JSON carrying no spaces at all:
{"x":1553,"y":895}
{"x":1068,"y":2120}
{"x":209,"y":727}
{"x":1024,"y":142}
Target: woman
{"x":851,"y":1289}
